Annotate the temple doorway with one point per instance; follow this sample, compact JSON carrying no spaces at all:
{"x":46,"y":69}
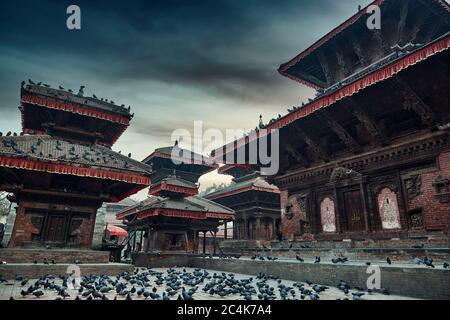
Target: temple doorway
{"x":354,"y":212}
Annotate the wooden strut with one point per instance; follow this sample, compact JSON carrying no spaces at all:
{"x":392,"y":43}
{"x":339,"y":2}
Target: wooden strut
{"x":413,"y":102}
{"x":313,"y":143}
{"x":300,"y":158}
{"x":341,"y":132}
{"x":368,"y":122}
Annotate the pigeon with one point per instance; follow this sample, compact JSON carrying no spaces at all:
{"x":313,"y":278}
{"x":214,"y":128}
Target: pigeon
{"x":30,"y":82}
{"x":317,"y":260}
{"x":416,"y":260}
{"x":81,"y":91}
{"x":418,"y":246}
{"x":388,"y":260}
{"x":38,"y":293}
{"x":61,"y":88}
{"x":299,"y":258}
{"x":428,"y":262}
{"x":446,"y":265}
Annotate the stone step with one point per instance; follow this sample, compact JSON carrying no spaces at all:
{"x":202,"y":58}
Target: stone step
{"x":16,"y":255}
{"x":34,"y":271}
{"x":400,"y":279}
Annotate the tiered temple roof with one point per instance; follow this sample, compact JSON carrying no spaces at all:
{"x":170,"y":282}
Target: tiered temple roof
{"x":174,"y":187}
{"x":61,"y":167}
{"x":62,"y":113}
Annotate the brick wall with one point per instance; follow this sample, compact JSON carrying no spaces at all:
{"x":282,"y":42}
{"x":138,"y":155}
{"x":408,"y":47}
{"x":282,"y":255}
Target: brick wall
{"x":34,"y":271}
{"x":16,"y":255}
{"x":436,"y":215}
{"x":418,"y":282}
{"x":23,"y":228}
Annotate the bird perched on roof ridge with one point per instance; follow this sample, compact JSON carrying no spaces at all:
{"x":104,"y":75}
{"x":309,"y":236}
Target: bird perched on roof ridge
{"x":81,"y":91}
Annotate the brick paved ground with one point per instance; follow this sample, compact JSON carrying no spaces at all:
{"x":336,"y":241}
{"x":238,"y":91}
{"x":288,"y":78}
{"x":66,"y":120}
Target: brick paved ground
{"x":13,"y":288}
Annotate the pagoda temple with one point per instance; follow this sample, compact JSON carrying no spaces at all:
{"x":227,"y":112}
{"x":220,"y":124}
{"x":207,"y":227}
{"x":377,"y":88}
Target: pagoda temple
{"x":256,"y":204}
{"x":61,"y":168}
{"x":173,"y":217}
{"x":369,"y":157}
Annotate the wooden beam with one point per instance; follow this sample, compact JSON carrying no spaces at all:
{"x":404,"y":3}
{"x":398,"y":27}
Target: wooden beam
{"x":444,"y":16}
{"x":313,"y":143}
{"x":413,"y":102}
{"x":379,"y":38}
{"x":66,"y":194}
{"x":340,"y":57}
{"x":53,"y":126}
{"x":402,"y":22}
{"x":418,"y":25}
{"x":341,"y":132}
{"x":325,"y":67}
{"x":300,"y":158}
{"x":359,"y":52}
{"x":368,"y":122}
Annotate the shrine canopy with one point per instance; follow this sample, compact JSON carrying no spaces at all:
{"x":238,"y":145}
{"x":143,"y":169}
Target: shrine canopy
{"x":193,"y":207}
{"x":352,"y":46}
{"x":178,"y":164}
{"x":64,"y":114}
{"x":58,"y":167}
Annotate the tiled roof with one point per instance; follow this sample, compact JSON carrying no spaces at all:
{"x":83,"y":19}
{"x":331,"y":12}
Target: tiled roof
{"x":256,"y":183}
{"x":179,"y":182}
{"x":82,"y":100}
{"x":181,"y":154}
{"x":50,"y":149}
{"x":193,"y":203}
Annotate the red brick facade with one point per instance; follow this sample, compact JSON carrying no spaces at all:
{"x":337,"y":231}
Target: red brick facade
{"x":23,"y":230}
{"x":435,"y":208}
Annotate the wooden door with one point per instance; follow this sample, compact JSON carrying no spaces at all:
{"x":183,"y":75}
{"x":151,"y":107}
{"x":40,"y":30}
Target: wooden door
{"x":354,"y":210}
{"x":55,"y":229}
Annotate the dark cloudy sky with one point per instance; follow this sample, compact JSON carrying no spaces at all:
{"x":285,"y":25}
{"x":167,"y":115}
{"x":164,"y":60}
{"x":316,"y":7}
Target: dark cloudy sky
{"x":174,"y":62}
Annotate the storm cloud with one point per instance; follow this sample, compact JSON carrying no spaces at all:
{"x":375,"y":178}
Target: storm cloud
{"x":174,"y":62}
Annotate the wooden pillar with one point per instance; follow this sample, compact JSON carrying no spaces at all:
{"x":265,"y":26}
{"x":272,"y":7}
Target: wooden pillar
{"x":147,"y":248}
{"x":258,"y":228}
{"x":133,"y":248}
{"x":225,"y":230}
{"x":194,"y":244}
{"x":364,"y":202}
{"x":140,"y":240}
{"x":204,"y":242}
{"x":246,"y":230}
{"x":337,"y":212}
{"x":273,"y":229}
{"x":214,"y":243}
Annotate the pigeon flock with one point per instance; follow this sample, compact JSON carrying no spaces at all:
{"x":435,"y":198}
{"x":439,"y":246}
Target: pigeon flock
{"x":181,"y":284}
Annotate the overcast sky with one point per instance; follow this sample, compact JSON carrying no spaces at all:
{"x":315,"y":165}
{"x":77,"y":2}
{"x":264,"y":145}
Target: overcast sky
{"x":174,"y":62}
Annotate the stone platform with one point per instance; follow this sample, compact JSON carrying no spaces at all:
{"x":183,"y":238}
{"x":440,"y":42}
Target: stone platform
{"x":33,"y":271}
{"x":162,"y":259}
{"x":399,"y":250}
{"x":16,"y":255}
{"x":399,"y":278}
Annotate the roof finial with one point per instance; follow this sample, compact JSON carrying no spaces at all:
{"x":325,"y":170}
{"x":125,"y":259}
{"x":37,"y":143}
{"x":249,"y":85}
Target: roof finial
{"x":261,"y":124}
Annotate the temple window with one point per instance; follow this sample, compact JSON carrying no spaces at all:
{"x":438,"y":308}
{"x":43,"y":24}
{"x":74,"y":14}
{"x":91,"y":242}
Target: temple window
{"x":327,"y":215}
{"x":388,"y":208}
